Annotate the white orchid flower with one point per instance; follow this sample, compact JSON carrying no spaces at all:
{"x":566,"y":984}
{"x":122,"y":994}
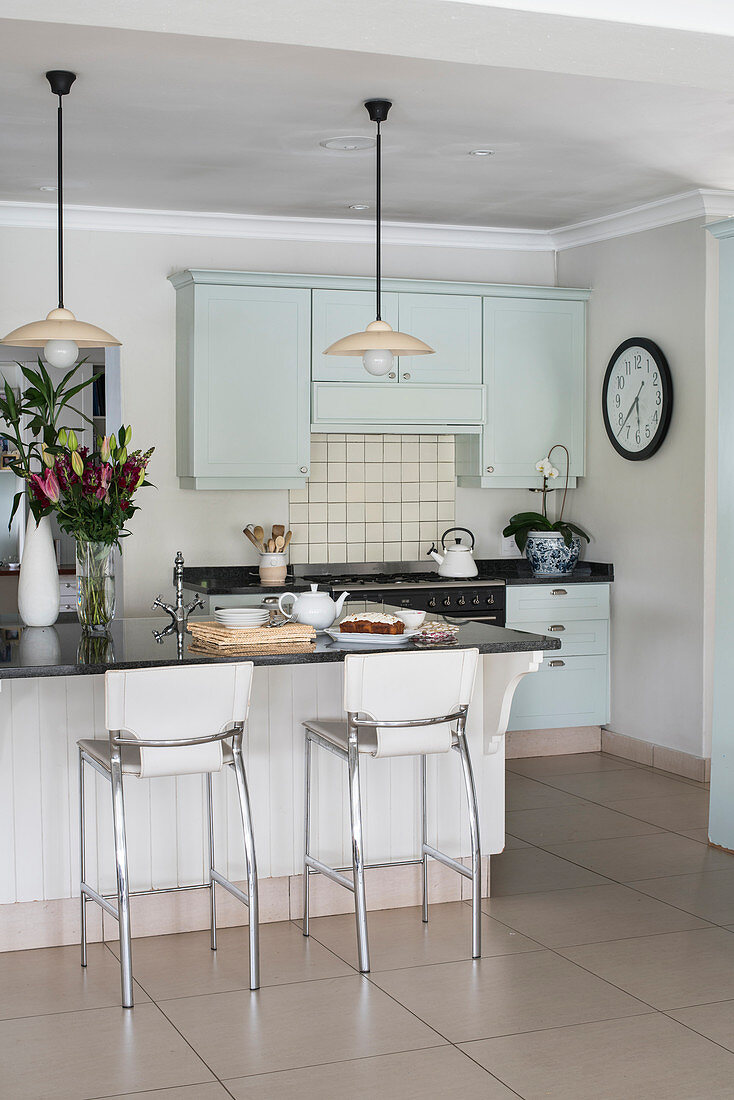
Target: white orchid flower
{"x":544,"y":467}
{"x":553,"y":472}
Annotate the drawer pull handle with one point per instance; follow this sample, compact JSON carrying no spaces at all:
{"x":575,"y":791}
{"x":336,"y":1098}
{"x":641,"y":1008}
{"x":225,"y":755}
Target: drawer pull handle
{"x":556,"y":664}
{"x":558,"y":592}
{"x":557,"y":629}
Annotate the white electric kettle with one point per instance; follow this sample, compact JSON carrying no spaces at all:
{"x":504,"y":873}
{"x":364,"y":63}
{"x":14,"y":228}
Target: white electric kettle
{"x":457,"y":561}
{"x":316,"y":609}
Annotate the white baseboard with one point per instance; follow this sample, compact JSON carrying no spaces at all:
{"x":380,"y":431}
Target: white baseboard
{"x":33,"y":924}
{"x":552,"y":742}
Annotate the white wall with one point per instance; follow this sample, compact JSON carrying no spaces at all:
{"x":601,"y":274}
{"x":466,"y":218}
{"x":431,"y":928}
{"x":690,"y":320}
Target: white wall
{"x":648,"y":517}
{"x":118,"y":280}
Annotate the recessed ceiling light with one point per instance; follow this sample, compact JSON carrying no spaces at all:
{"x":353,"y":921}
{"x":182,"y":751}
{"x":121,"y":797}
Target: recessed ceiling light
{"x":349,"y":144}
{"x":48,"y":187}
{"x":481,"y":153}
{"x":359,"y":206}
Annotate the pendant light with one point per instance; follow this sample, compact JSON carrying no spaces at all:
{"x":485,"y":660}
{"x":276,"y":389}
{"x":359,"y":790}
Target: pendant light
{"x":379,"y":343}
{"x":60,"y":335}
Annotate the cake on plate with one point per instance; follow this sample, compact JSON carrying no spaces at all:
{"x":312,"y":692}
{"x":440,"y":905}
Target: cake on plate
{"x":371,"y":622}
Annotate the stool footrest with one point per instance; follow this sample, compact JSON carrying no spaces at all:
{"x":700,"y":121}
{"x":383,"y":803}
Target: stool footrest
{"x":230,"y":887}
{"x":88,"y":892}
{"x":447,"y":861}
{"x":324,"y":869}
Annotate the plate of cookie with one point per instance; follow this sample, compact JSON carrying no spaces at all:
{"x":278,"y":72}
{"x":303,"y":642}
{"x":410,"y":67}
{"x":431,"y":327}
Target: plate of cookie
{"x":371,"y":628}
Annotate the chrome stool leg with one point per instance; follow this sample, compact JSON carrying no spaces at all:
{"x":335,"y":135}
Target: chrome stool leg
{"x":476,"y":858}
{"x":360,"y":902}
{"x":424,"y":837}
{"x":123,"y":899}
{"x":212,"y":895}
{"x":244,"y":797}
{"x":307,"y":831}
{"x":82,"y":861}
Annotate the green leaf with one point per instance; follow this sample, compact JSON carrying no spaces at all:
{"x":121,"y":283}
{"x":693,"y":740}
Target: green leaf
{"x":16,"y":503}
{"x":577,"y":530}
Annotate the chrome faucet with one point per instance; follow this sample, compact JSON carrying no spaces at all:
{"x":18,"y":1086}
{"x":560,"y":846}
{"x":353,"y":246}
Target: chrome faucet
{"x":180,"y":613}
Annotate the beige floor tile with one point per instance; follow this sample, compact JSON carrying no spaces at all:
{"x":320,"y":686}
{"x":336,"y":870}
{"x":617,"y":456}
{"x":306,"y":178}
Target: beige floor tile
{"x":536,"y":767}
{"x":709,"y":895}
{"x":398,"y":937}
{"x":647,"y":1058}
{"x":52,"y":980}
{"x":213,"y":1091}
{"x":184,"y":965}
{"x":715,"y":1021}
{"x":585,"y":821}
{"x":512,"y":842}
{"x":527,"y":794}
{"x":700,"y":835}
{"x":291,"y":1026}
{"x":527,"y":870}
{"x":505,"y":994}
{"x":627,"y":859}
{"x":612,"y":786}
{"x":439,"y":1072}
{"x":674,"y":970}
{"x":562,"y":918}
{"x":79,"y":1055}
{"x":685,"y":811}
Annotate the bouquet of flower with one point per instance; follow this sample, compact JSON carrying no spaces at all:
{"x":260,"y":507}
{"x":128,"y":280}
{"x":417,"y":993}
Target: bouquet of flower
{"x":91,"y":492}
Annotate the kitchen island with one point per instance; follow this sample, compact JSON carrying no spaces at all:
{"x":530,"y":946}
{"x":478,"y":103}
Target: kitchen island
{"x":52,"y":694}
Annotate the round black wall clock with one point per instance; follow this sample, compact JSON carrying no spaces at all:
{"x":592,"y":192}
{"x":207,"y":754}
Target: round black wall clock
{"x":637,"y":398}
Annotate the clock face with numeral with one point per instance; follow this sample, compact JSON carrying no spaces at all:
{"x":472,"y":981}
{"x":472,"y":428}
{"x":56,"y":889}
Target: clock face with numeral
{"x":637,"y":398}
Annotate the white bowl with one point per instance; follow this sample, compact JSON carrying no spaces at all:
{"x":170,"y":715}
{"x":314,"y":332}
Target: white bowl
{"x":412,"y":619}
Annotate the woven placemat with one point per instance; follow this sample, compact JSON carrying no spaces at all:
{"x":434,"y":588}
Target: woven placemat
{"x":221,"y":637}
{"x":250,"y":651}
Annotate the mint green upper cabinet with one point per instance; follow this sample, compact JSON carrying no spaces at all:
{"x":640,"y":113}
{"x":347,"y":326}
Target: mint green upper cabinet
{"x":338,"y":313}
{"x":243,"y":416}
{"x":452,"y":325}
{"x":534,"y":371}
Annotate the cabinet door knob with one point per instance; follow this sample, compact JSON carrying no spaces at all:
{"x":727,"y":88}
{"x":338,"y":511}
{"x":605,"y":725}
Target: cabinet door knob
{"x":556,"y":664}
{"x":559,"y":592}
{"x":304,"y":469}
{"x":490,"y":469}
{"x":391,"y":374}
{"x":557,"y":628}
{"x":406,"y":377}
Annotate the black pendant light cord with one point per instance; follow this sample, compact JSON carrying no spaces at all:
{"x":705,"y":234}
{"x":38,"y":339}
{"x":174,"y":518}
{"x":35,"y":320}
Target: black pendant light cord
{"x":60,"y":199}
{"x":378,"y":211}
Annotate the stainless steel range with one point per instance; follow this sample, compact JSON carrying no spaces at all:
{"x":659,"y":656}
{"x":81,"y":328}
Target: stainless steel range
{"x":409,"y":584}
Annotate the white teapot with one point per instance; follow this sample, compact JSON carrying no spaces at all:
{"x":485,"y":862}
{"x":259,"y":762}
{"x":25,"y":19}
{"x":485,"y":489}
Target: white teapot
{"x":457,"y":561}
{"x":316,"y":609}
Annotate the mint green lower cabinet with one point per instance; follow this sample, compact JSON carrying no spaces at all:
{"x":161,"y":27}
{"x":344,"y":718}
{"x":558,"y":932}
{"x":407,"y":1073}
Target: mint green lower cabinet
{"x":366,"y":407}
{"x":534,"y":370}
{"x":571,"y":688}
{"x":565,"y":691}
{"x":338,"y":313}
{"x":452,"y":325}
{"x":243,"y":392}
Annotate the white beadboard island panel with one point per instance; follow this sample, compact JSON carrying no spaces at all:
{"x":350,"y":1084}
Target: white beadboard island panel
{"x":41,"y":720}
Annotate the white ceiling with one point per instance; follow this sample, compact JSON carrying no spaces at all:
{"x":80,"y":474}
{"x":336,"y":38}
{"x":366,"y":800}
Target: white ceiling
{"x":175,"y":122}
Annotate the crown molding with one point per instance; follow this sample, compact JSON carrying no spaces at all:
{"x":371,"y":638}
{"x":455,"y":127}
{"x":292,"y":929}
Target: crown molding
{"x":652,"y":215}
{"x":649,"y":215}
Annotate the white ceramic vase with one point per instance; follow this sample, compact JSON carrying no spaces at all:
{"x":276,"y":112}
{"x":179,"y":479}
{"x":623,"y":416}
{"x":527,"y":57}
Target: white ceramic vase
{"x":38,"y":583}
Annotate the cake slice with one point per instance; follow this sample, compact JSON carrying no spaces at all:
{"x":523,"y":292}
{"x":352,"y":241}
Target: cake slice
{"x":371,"y":622}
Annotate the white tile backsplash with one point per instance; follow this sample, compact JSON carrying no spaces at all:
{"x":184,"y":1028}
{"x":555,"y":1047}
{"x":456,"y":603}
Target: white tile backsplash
{"x":373,"y":498}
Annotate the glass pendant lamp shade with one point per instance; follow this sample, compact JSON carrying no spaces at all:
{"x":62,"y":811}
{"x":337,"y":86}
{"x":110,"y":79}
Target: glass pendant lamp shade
{"x":60,"y":334}
{"x":379,"y":342}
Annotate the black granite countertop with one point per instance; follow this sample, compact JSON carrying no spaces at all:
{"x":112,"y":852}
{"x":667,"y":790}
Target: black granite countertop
{"x":63,"y":650}
{"x":233,"y":580}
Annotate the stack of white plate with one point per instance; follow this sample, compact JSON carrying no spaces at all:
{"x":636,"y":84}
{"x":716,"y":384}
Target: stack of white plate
{"x":239,"y":618}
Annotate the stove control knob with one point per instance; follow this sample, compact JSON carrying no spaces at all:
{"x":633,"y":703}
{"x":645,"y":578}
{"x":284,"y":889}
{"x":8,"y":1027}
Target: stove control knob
{"x":490,"y":599}
{"x":432,"y":601}
{"x":447,"y":602}
{"x":461,"y":601}
{"x":475,"y":600}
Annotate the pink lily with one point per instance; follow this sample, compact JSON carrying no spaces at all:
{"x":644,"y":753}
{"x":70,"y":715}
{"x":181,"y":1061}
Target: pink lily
{"x":105,"y":477}
{"x":48,"y":485}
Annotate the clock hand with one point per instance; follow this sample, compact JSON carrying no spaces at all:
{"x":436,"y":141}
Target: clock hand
{"x":635,"y":402}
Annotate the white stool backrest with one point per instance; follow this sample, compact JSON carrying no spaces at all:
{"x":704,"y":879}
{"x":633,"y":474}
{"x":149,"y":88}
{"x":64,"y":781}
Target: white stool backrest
{"x":173,"y":704}
{"x":394,"y":686}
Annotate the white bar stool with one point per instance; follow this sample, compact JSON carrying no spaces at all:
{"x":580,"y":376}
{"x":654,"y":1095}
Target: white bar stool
{"x":398,"y":704}
{"x":165,"y":713}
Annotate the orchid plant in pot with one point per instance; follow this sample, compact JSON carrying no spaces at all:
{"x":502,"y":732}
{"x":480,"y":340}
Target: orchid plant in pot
{"x":551,"y":546}
{"x":92,"y":495}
